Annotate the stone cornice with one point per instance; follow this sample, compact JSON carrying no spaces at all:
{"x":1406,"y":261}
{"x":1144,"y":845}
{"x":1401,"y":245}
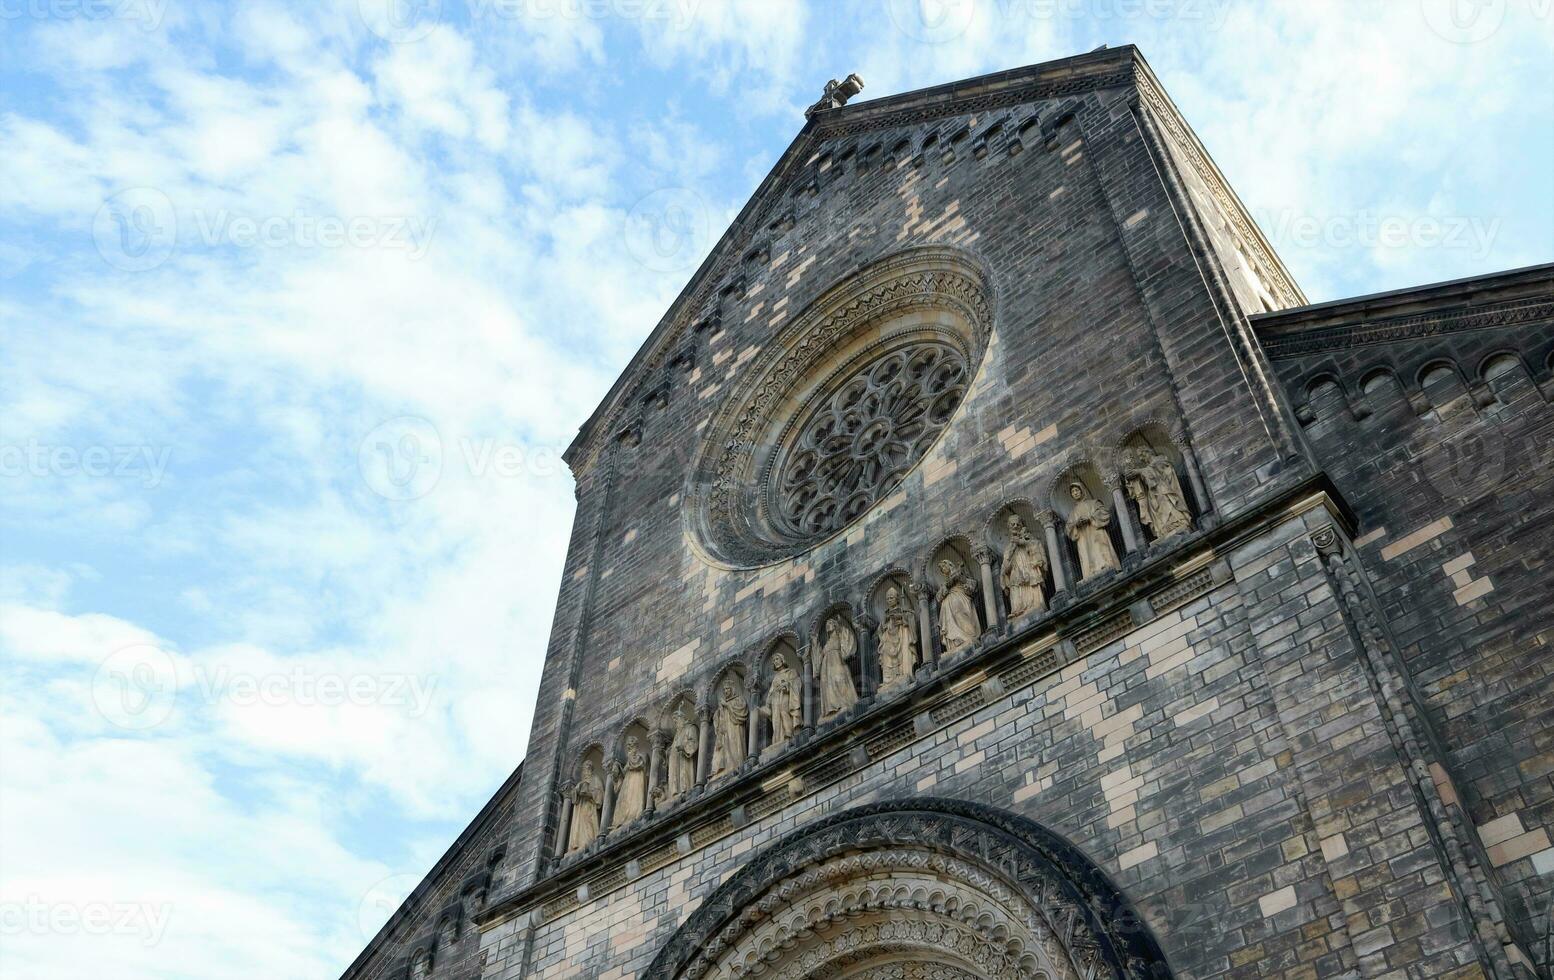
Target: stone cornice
{"x":1502,"y":300}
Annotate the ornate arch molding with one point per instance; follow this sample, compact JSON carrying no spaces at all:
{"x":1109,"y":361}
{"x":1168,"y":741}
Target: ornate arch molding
{"x":989,"y":893}
{"x":930,"y":308}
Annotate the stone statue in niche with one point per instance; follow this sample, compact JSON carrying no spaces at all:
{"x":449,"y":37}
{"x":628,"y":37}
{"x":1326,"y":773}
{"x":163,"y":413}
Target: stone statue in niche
{"x":682,"y":754}
{"x":587,"y":796}
{"x":1087,"y":529}
{"x":958,"y":623}
{"x":631,"y":798}
{"x":837,"y":692}
{"x":730,"y":729}
{"x":784,"y":705}
{"x":1025,"y":570}
{"x":1153,"y":483}
{"x":897,"y":640}
{"x":420,"y":967}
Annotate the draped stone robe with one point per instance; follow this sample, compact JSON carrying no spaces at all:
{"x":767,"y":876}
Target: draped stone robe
{"x":837,"y":692}
{"x":586,"y":799}
{"x":1158,"y":491}
{"x":784,"y":704}
{"x":958,"y":623}
{"x":897,"y":645}
{"x":631,"y":797}
{"x":731,"y":732}
{"x":1087,"y":529}
{"x":1025,"y":576}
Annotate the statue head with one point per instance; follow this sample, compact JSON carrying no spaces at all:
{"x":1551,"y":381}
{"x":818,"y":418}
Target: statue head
{"x":588,"y":768}
{"x":892,"y":597}
{"x":948,"y":567}
{"x":631,"y":744}
{"x":1076,"y":491}
{"x":728,"y":687}
{"x":1016,"y":527}
{"x":779,"y":662}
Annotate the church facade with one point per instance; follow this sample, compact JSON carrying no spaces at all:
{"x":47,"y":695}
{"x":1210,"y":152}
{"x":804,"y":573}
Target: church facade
{"x":992,"y":566}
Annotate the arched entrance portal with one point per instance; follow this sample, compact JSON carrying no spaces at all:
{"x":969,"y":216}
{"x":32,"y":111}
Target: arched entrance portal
{"x":924,"y":889}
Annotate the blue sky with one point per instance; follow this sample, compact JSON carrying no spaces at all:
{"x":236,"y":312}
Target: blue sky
{"x":301,"y":303}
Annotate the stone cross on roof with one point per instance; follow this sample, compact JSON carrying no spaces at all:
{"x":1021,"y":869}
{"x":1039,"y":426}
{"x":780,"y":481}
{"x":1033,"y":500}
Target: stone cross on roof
{"x":837,"y":94}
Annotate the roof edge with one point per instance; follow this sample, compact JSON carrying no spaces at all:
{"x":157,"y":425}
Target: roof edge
{"x":820,"y":124}
{"x":1513,"y":283}
{"x":413,"y":900}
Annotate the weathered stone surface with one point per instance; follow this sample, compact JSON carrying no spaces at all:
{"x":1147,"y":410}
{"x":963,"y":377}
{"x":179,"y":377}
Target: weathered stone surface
{"x":1305,"y":735}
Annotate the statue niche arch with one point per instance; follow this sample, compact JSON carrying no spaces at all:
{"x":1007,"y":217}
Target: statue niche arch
{"x":889,"y":889}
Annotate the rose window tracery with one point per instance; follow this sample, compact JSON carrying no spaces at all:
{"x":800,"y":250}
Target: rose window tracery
{"x":863,"y":436}
{"x":833,"y":413}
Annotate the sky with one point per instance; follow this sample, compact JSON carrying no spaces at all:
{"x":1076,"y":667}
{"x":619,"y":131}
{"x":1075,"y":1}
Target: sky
{"x":300,"y":304}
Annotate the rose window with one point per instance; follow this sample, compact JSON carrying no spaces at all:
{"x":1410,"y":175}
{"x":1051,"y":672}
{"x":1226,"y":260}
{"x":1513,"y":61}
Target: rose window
{"x":832,"y":412}
{"x":862,"y":437}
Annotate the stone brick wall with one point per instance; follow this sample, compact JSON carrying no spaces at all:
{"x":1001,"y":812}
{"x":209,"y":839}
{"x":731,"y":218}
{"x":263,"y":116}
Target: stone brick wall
{"x":1452,"y":479}
{"x":1225,"y":763}
{"x":1104,"y":323}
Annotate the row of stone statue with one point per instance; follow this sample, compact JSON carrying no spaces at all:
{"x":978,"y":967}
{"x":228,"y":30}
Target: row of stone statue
{"x":725,"y":736}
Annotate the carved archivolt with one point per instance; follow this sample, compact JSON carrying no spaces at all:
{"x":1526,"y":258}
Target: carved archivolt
{"x":889,"y":889}
{"x":840,"y":407}
{"x":839,"y":918}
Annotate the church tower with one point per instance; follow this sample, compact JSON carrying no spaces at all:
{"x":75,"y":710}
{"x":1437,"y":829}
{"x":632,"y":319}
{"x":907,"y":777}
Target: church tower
{"x":956,"y":590}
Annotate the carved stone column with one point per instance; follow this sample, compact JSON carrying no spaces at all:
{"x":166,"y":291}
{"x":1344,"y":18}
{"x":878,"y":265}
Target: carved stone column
{"x":868,"y":656}
{"x":1200,"y":493}
{"x":808,"y":703}
{"x":1132,"y":537}
{"x":984,"y":557}
{"x":612,"y":779}
{"x":703,"y":744}
{"x":753,"y":751}
{"x":660,"y":741}
{"x":930,"y":653}
{"x":1049,"y":527}
{"x":563,"y":826}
